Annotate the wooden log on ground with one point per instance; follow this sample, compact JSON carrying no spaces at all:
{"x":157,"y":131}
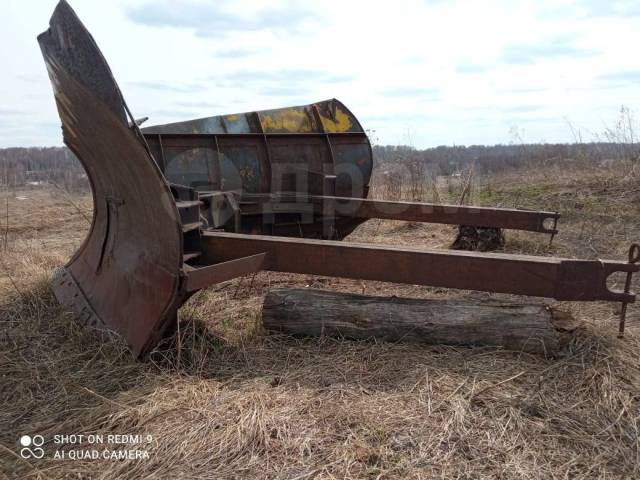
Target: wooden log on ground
{"x":533,"y":328}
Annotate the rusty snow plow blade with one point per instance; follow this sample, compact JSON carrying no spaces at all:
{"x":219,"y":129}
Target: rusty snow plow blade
{"x":182,"y":206}
{"x":314,"y":160}
{"x":126,"y":274}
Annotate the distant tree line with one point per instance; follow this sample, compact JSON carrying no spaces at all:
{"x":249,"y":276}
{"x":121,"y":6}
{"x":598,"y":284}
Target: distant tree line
{"x":57,"y":165}
{"x":37,"y":165}
{"x":445,"y":160}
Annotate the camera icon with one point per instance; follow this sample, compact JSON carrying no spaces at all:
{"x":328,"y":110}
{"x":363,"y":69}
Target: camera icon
{"x":31,"y":446}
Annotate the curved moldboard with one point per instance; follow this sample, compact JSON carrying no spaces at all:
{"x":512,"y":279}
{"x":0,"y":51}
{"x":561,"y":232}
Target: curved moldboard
{"x":126,"y":276}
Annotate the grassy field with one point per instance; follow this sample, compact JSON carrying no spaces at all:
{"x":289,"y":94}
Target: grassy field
{"x":223,"y":399}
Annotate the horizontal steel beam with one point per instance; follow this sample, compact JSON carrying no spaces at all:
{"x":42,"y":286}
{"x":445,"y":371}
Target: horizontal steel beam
{"x":559,"y":278}
{"x":204,"y":276}
{"x":508,"y":218}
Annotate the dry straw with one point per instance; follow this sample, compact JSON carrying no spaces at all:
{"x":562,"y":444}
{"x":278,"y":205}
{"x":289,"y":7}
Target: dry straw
{"x":224,"y":400}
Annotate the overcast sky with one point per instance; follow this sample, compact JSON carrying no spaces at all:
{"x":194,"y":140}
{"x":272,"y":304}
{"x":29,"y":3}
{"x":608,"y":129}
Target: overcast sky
{"x":423,"y":73}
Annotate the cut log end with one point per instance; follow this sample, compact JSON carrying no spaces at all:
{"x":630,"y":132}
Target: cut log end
{"x":532,"y":328}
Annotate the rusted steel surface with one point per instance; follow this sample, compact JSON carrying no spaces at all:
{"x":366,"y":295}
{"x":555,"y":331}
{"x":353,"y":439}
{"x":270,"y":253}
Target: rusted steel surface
{"x":128,"y":268}
{"x":266,"y":162}
{"x":329,"y":116}
{"x":559,"y":278}
{"x":301,"y":171}
{"x":508,"y":218}
{"x":308,"y":167}
{"x":533,"y":221}
{"x":634,"y":259}
{"x":202,"y":277}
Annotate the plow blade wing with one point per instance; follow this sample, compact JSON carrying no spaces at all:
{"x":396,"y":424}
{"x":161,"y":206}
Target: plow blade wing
{"x":126,"y":275}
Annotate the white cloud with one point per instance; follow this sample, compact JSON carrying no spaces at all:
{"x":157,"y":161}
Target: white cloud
{"x":458,"y":72}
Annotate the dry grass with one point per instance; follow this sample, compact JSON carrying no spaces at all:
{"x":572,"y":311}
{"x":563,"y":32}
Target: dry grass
{"x":225,"y":400}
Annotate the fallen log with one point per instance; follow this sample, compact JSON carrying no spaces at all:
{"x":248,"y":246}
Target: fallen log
{"x":530,"y":327}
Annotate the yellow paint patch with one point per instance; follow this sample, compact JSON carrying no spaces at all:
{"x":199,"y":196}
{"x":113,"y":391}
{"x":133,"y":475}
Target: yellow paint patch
{"x":233,"y":118}
{"x":289,"y":120}
{"x":342,"y":122}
